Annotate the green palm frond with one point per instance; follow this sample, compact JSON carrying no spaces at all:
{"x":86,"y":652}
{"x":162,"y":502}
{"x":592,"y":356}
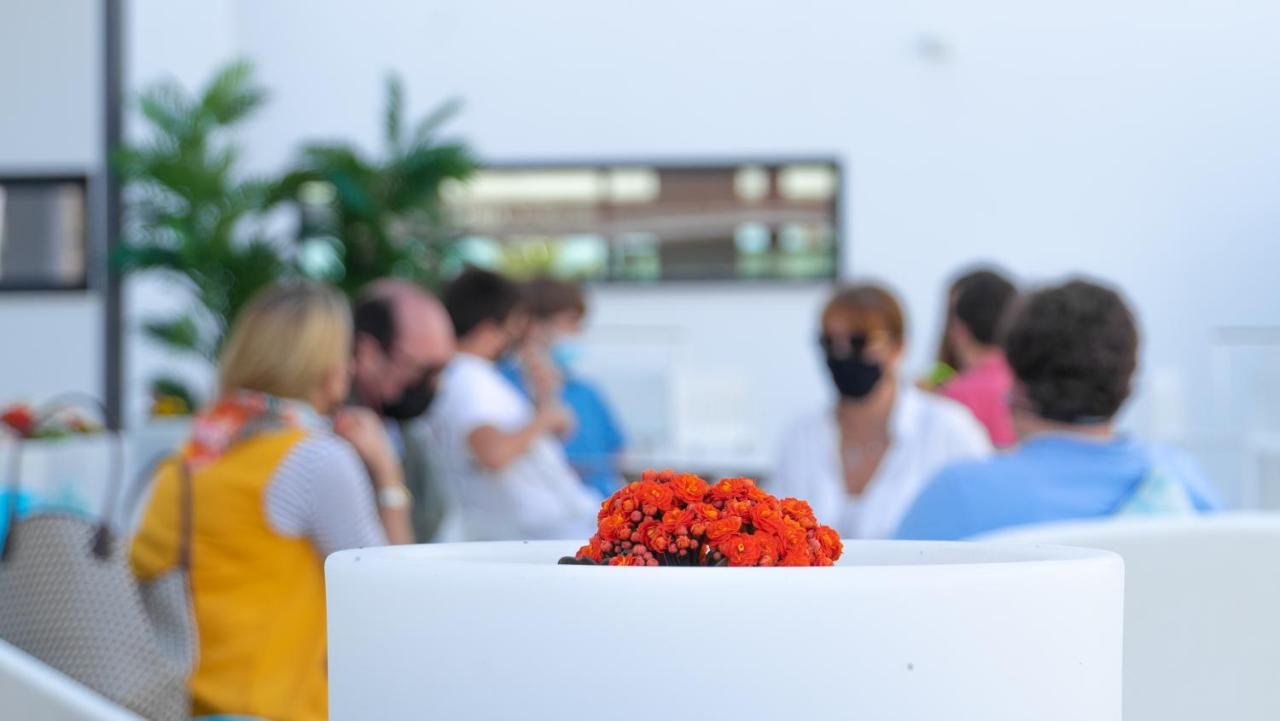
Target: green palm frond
{"x":427,"y":127}
{"x":180,"y":333}
{"x":167,"y":108}
{"x":231,"y":95}
{"x":386,"y":213}
{"x":393,"y":114}
{"x":188,"y":206}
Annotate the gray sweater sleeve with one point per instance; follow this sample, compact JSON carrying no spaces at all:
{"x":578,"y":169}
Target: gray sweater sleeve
{"x":321,"y":491}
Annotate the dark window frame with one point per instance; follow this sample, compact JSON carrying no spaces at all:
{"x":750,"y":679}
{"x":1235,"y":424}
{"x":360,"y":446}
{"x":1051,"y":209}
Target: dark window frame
{"x":45,"y":178}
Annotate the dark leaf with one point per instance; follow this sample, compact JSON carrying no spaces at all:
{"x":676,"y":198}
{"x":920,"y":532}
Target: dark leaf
{"x":394,"y":111}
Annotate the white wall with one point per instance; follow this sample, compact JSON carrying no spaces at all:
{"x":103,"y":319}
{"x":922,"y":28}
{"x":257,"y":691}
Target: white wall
{"x":186,"y":41}
{"x":1133,"y":140}
{"x":50,"y":115}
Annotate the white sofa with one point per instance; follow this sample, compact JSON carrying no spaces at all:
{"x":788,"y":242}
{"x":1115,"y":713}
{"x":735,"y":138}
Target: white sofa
{"x":1202,"y":611}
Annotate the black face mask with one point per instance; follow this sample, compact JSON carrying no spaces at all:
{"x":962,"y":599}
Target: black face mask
{"x":413,"y":401}
{"x":854,"y":377}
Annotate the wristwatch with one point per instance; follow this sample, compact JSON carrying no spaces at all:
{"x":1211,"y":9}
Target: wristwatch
{"x":394,"y":497}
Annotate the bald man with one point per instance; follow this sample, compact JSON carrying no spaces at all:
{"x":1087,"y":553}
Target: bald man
{"x":404,"y":339}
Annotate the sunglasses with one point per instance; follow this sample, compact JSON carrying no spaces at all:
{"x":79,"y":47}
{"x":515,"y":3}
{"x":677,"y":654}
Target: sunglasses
{"x":849,"y":346}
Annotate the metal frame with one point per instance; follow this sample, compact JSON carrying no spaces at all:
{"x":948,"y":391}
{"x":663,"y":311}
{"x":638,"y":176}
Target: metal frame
{"x":113,"y":131}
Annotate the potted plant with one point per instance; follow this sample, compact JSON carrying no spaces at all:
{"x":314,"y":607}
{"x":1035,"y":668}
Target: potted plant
{"x":192,"y":214}
{"x":363,"y":218}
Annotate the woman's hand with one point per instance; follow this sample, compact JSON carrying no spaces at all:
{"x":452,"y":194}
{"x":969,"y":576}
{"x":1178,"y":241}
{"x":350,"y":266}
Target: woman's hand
{"x":540,"y":373}
{"x":363,"y":429}
{"x":557,"y":418}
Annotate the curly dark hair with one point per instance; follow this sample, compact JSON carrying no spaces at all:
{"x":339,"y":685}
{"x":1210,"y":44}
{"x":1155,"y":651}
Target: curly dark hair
{"x":1074,"y":348}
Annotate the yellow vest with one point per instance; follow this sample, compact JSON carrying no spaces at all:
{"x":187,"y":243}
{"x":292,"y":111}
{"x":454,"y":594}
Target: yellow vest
{"x":258,"y":596}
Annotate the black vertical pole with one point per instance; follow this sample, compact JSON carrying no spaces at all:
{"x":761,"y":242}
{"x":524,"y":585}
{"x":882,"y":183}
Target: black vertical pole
{"x":112,"y":99}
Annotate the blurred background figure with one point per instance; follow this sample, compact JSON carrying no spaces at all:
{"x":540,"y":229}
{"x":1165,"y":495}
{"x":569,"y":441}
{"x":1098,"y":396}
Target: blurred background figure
{"x":982,"y":380}
{"x":273,"y":491}
{"x":500,"y":452}
{"x":862,"y":462}
{"x":1073,"y":349}
{"x":403,"y":340}
{"x":545,"y":363}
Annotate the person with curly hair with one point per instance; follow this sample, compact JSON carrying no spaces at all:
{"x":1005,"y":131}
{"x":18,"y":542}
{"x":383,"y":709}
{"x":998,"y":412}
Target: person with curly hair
{"x":1073,"y":349}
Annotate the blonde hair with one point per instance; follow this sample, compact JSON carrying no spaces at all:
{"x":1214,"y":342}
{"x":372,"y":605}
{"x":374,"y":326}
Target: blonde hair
{"x":286,"y":341}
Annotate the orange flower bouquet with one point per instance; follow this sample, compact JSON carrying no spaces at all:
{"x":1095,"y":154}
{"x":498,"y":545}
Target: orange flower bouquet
{"x":678,"y":519}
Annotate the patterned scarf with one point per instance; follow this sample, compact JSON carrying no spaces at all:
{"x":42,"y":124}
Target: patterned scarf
{"x":235,"y":418}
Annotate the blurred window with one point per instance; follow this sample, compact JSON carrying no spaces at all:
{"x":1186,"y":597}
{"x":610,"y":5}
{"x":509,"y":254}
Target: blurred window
{"x":652,"y":222}
{"x":42,"y":233}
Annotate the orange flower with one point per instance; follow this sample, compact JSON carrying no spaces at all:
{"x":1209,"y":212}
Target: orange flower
{"x":793,"y":534}
{"x":767,"y":516}
{"x":592,"y":550}
{"x":676,"y":519}
{"x":797,"y":557}
{"x":615,"y":528}
{"x":739,"y":508}
{"x":658,"y":495}
{"x":656,"y":539}
{"x":799,"y":510}
{"x":741,"y":549}
{"x":689,"y":488}
{"x":770,"y":548}
{"x":830,"y":542}
{"x":717,"y":530}
{"x":666,"y":513}
{"x":704,"y":512}
{"x":735,"y":488}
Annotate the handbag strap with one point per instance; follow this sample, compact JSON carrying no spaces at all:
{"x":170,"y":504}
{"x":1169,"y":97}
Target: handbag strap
{"x":185,"y":515}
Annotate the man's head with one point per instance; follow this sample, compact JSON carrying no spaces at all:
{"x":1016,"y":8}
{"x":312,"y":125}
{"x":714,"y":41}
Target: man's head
{"x":980,"y":301}
{"x":1073,"y":349}
{"x":487,"y":312}
{"x":403,"y":340}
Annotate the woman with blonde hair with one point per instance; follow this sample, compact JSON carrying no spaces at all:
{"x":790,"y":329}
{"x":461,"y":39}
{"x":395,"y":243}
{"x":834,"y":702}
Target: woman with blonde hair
{"x":862,"y":461}
{"x":273,"y":490}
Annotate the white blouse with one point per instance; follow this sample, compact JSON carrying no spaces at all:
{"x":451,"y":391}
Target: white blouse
{"x":927,"y":432}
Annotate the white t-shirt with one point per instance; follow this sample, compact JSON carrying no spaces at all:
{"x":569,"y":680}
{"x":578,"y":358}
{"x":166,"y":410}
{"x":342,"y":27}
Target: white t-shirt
{"x":927,"y":432}
{"x":537,"y":496}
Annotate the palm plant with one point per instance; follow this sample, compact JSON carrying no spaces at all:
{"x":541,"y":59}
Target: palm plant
{"x":190,"y":212}
{"x":379,"y":217}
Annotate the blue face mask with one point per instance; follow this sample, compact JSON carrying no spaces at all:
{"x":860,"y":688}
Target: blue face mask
{"x":565,"y":352}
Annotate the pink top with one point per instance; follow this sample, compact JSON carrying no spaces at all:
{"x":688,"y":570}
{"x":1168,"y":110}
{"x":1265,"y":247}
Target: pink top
{"x":984,"y":390}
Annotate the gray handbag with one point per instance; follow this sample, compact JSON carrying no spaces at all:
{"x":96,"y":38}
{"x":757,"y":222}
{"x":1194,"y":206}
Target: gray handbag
{"x":69,"y":598}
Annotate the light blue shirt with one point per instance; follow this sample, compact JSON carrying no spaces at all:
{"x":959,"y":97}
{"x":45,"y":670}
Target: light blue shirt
{"x":1047,"y":478}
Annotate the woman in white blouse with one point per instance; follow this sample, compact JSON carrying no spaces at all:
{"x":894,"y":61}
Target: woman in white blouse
{"x":861,"y":463}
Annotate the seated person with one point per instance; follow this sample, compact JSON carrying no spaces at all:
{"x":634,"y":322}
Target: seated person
{"x":545,"y":364}
{"x":984,"y":380}
{"x":500,"y":452}
{"x":273,"y":492}
{"x":1073,"y":349}
{"x":403,"y":341}
{"x":861,"y":460}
